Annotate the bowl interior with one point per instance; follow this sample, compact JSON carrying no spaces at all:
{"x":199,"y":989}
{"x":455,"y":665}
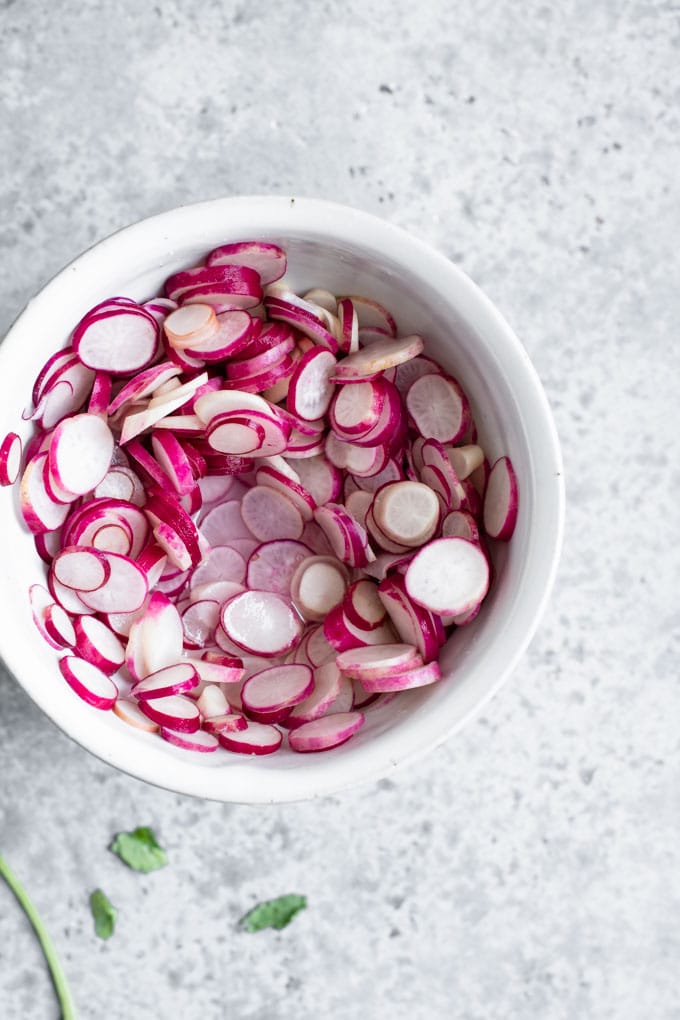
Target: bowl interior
{"x":346,"y":252}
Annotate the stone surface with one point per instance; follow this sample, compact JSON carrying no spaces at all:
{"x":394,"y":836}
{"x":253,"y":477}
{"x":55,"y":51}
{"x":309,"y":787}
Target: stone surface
{"x":529,"y":869}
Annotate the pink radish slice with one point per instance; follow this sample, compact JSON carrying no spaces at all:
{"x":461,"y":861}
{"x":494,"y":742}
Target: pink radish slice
{"x":123,"y":591}
{"x":96,"y":643}
{"x":438,"y":407}
{"x":48,"y":545}
{"x":323,"y":298}
{"x":362,"y":605}
{"x":224,"y":523}
{"x":10,"y":458}
{"x":322,"y":734}
{"x":40,"y":601}
{"x":211,"y":701}
{"x":269,"y":514}
{"x":380,"y":539}
{"x":88,"y":682}
{"x":215,"y":591}
{"x":199,"y":621}
{"x":328,"y":689}
{"x":317,"y":647}
{"x":256,"y":738}
{"x":307,"y":322}
{"x":310,"y":391}
{"x":450,"y":575}
{"x":414,"y":624}
{"x":237,"y":286}
{"x":420,"y":676}
{"x":39,"y":510}
{"x":273,"y":565}
{"x":120,"y":341}
{"x":349,"y":326}
{"x":216,"y":668}
{"x":199,"y":741}
{"x":67,"y":598}
{"x":190,"y":325}
{"x":177,"y":679}
{"x":121,"y":483}
{"x":101,"y":394}
{"x":320,"y":478}
{"x":131,"y":713}
{"x":144,"y":384}
{"x":356,"y":409}
{"x":378,"y":661}
{"x":242,"y":367}
{"x":407,"y":373}
{"x":221,"y":564}
{"x":347,"y":538}
{"x":228,"y":722}
{"x":261,"y":381}
{"x":262,"y":623}
{"x":407,"y":512}
{"x":158,"y":408}
{"x":480,"y":477}
{"x":81,"y":568}
{"x":215,"y":488}
{"x":276,"y":689}
{"x":460,"y":524}
{"x":342,"y":635}
{"x":232,"y":336}
{"x":176,"y":712}
{"x":80,"y":452}
{"x":267,"y":260}
{"x":173,"y":461}
{"x":54,"y":364}
{"x":58,"y":625}
{"x":319,"y":583}
{"x":272,"y":433}
{"x":297,"y":494}
{"x":368,"y":361}
{"x":501,"y":500}
{"x":390,"y":473}
{"x":372,"y":315}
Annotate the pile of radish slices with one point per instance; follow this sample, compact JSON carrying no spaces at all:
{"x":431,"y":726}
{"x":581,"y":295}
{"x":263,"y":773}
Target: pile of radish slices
{"x":260,"y":513}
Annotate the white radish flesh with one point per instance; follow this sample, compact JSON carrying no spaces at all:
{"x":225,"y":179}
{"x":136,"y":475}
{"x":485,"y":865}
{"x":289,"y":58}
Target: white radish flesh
{"x":123,"y":591}
{"x":256,"y":738}
{"x":450,"y":575}
{"x":272,"y":565}
{"x":199,"y":741}
{"x":177,"y":679}
{"x":89,"y":682}
{"x":310,"y":390}
{"x":438,"y":407}
{"x":501,"y":501}
{"x":277,"y":688}
{"x":329,"y":731}
{"x":419,"y":676}
{"x":378,"y":357}
{"x":131,"y":713}
{"x":318,"y":584}
{"x":97,"y":643}
{"x":262,"y":623}
{"x":269,"y":514}
{"x":176,"y":712}
{"x":80,"y":452}
{"x":378,"y":660}
{"x":407,"y":512}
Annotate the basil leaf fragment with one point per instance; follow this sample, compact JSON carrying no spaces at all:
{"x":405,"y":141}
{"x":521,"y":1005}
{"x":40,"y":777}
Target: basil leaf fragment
{"x":139,"y":850}
{"x":275,"y":913}
{"x":104,"y":914}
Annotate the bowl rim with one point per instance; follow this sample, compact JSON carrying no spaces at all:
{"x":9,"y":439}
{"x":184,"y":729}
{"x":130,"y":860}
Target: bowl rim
{"x":353,"y":226}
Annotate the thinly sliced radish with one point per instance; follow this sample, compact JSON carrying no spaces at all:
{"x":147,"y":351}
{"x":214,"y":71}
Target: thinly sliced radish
{"x":322,"y":734}
{"x":200,"y":741}
{"x":296,"y":493}
{"x":460,"y":524}
{"x":269,"y":514}
{"x":131,"y":713}
{"x":88,"y":682}
{"x":309,"y":323}
{"x":221,"y":564}
{"x":310,"y":390}
{"x":407,"y":373}
{"x":144,"y":384}
{"x":236,"y":286}
{"x":11,"y":450}
{"x":119,"y":341}
{"x":211,"y":701}
{"x":97,"y":643}
{"x":224,"y":523}
{"x":256,"y":738}
{"x":175,"y":712}
{"x":420,"y":676}
{"x":234,"y":329}
{"x":275,"y":690}
{"x":268,"y":438}
{"x":124,"y":589}
{"x":179,"y":678}
{"x":39,"y":510}
{"x":342,"y":634}
{"x":40,"y":601}
{"x":80,"y":568}
{"x":368,"y":361}
{"x":268,"y":260}
{"x":320,"y":478}
{"x":438,"y":407}
{"x":121,"y":483}
{"x":375,"y":661}
{"x":362,"y":606}
{"x":229,"y":722}
{"x":319,"y":583}
{"x":272,"y":565}
{"x":174,"y":462}
{"x":372,"y":315}
{"x":199,"y":621}
{"x":58,"y":625}
{"x":262,"y":623}
{"x":414,"y":624}
{"x":356,"y":409}
{"x":242,"y":367}
{"x":501,"y":500}
{"x":80,"y":452}
{"x":101,"y":394}
{"x":219,"y":669}
{"x":330,"y":690}
{"x":450,"y":575}
{"x":407,"y":512}
{"x":191,"y":325}
{"x":347,"y":538}
{"x":317,"y":647}
{"x":67,"y":598}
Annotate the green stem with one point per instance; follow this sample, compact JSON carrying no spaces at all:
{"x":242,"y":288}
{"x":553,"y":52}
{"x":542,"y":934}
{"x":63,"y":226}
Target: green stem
{"x":46,"y":944}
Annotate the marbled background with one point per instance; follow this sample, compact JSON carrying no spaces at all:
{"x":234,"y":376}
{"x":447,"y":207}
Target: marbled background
{"x":529,"y":869}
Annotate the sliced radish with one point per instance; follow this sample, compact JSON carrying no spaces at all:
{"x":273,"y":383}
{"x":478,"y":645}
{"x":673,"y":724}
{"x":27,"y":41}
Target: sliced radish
{"x":41,"y":601}
{"x":296,"y":493}
{"x":420,"y":676}
{"x":501,"y":500}
{"x":414,"y":624}
{"x":131,"y":713}
{"x":179,"y":678}
{"x":310,"y":390}
{"x":10,"y":458}
{"x":256,"y":738}
{"x":267,"y":260}
{"x":378,"y":661}
{"x":269,"y":514}
{"x":119,"y":341}
{"x":362,"y":606}
{"x":371,"y":314}
{"x":319,"y":583}
{"x":460,"y":524}
{"x":438,"y":407}
{"x":450,"y":575}
{"x":275,"y":690}
{"x":97,"y":643}
{"x":191,"y":325}
{"x":144,"y":384}
{"x":407,"y":512}
{"x":329,"y":731}
{"x":81,"y":568}
{"x":124,"y":589}
{"x":273,"y":565}
{"x":329,"y":688}
{"x":40,"y":511}
{"x":221,"y":564}
{"x":176,"y":712}
{"x":199,"y":621}
{"x":88,"y":682}
{"x":236,"y":286}
{"x":320,"y":478}
{"x":356,"y":409}
{"x":80,"y":452}
{"x":377,"y":357}
{"x":224,"y":523}
{"x":199,"y":741}
{"x":211,"y":701}
{"x":465,"y":459}
{"x":229,"y":722}
{"x":58,"y":625}
{"x":262,"y":623}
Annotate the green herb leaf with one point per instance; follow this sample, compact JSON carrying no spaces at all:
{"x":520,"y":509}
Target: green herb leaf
{"x":104,"y":914}
{"x":139,"y":850}
{"x":273,"y":913}
{"x":58,"y":977}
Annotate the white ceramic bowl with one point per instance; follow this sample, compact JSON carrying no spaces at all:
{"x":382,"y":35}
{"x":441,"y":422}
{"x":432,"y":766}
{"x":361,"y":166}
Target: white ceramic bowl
{"x":346,"y":251}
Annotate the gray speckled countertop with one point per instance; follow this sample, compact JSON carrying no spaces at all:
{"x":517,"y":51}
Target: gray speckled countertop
{"x":529,"y":869}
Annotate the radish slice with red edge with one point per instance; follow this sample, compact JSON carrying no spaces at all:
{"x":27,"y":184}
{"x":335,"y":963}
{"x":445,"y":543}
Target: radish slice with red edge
{"x":261,"y":623}
{"x":175,"y":712}
{"x":200,"y":741}
{"x":319,"y":583}
{"x":266,"y":259}
{"x":57,"y":624}
{"x":310,"y":391}
{"x":420,"y":676}
{"x":131,"y":713}
{"x":276,"y":689}
{"x":329,"y":686}
{"x":229,"y":722}
{"x":501,"y":500}
{"x":269,"y":514}
{"x":450,"y":575}
{"x":407,"y":512}
{"x":119,"y":341}
{"x":378,"y":661}
{"x":89,"y":683}
{"x":438,"y":407}
{"x":272,"y":565}
{"x":256,"y":738}
{"x":369,"y":361}
{"x":123,"y":591}
{"x":322,"y":734}
{"x":177,"y":679}
{"x":97,"y":643}
{"x":11,"y":450}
